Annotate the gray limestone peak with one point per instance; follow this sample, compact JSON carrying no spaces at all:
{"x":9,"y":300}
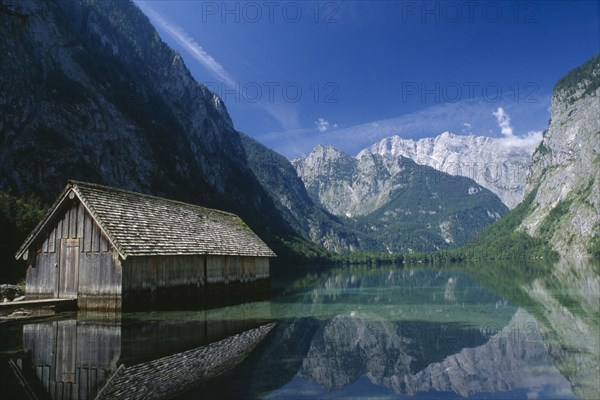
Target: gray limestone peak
{"x":498,"y":164}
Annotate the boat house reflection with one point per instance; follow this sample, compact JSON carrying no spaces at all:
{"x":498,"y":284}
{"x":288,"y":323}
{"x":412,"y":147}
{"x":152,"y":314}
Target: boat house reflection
{"x":89,"y":358}
{"x":73,"y":360}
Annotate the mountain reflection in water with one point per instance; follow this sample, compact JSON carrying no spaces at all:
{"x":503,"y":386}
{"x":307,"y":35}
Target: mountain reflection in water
{"x":477,"y":331}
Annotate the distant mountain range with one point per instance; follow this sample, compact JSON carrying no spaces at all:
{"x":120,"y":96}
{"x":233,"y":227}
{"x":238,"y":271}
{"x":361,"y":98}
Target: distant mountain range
{"x":402,"y":205}
{"x":495,"y":163}
{"x":554,"y":185}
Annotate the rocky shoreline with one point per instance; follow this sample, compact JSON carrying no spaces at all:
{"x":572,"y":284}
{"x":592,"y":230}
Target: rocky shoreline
{"x":11,"y":293}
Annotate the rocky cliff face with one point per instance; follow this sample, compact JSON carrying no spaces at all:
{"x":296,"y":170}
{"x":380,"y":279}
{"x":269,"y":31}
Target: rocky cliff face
{"x":351,"y":186}
{"x":398,"y":204}
{"x":288,"y":194}
{"x":332,"y":177}
{"x":496,"y":164}
{"x":565,"y":171}
{"x":90,"y":91}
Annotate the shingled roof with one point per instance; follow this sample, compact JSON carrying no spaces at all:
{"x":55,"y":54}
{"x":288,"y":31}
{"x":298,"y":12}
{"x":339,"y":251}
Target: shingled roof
{"x":142,"y":225}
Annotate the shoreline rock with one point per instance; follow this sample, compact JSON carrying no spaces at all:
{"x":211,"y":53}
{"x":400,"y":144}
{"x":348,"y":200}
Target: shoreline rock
{"x":10,"y":292}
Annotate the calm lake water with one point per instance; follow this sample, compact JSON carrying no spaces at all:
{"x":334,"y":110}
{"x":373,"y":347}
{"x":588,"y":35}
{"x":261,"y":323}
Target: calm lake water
{"x":500,"y":331}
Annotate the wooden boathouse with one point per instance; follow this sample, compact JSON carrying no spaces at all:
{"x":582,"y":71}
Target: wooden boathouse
{"x":115,"y":249}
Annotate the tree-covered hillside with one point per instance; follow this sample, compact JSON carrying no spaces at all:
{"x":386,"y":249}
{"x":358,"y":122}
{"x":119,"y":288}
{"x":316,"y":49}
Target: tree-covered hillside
{"x":18,"y":217}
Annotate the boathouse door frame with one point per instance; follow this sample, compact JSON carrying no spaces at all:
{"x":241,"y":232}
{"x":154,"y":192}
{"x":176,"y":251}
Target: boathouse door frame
{"x":67,"y":271}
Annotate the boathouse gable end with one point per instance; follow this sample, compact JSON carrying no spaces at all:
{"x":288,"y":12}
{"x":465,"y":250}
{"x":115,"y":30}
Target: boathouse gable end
{"x":108,"y":247}
{"x":71,"y":257}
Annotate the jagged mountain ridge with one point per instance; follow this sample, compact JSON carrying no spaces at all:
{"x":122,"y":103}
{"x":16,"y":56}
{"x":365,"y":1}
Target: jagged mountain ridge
{"x":289,"y":196}
{"x":402,"y":205}
{"x":330,"y":177}
{"x":565,"y":172}
{"x":89,"y":91}
{"x":494,"y":163}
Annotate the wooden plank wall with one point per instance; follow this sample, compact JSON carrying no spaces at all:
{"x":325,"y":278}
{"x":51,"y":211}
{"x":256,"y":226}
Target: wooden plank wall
{"x":41,"y":276}
{"x":184,"y":282}
{"x":100,"y":278}
{"x":152,"y":272}
{"x":228,"y":269}
{"x":99,"y":275}
{"x":73,"y":361}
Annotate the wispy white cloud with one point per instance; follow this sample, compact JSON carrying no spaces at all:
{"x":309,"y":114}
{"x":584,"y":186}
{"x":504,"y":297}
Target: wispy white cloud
{"x":323,"y":125}
{"x":503,"y":120}
{"x":529,"y":141}
{"x":188,"y":43}
{"x":426,"y":122}
{"x":285,"y":114}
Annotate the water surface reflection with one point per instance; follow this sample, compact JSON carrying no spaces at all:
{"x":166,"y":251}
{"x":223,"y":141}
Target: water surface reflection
{"x":85,"y":357}
{"x":494,"y":331}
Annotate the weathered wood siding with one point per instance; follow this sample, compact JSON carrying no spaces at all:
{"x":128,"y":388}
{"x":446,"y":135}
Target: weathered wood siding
{"x":41,"y":275}
{"x":226,"y":269}
{"x":100,"y":280}
{"x":152,"y":272}
{"x":190,"y":281}
{"x":76,"y":260}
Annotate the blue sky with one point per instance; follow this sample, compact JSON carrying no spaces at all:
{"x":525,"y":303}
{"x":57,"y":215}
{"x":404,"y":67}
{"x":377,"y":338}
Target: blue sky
{"x":297,"y":73}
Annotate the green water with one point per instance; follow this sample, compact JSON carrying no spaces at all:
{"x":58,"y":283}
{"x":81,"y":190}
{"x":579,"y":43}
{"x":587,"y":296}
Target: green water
{"x":493,"y":331}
